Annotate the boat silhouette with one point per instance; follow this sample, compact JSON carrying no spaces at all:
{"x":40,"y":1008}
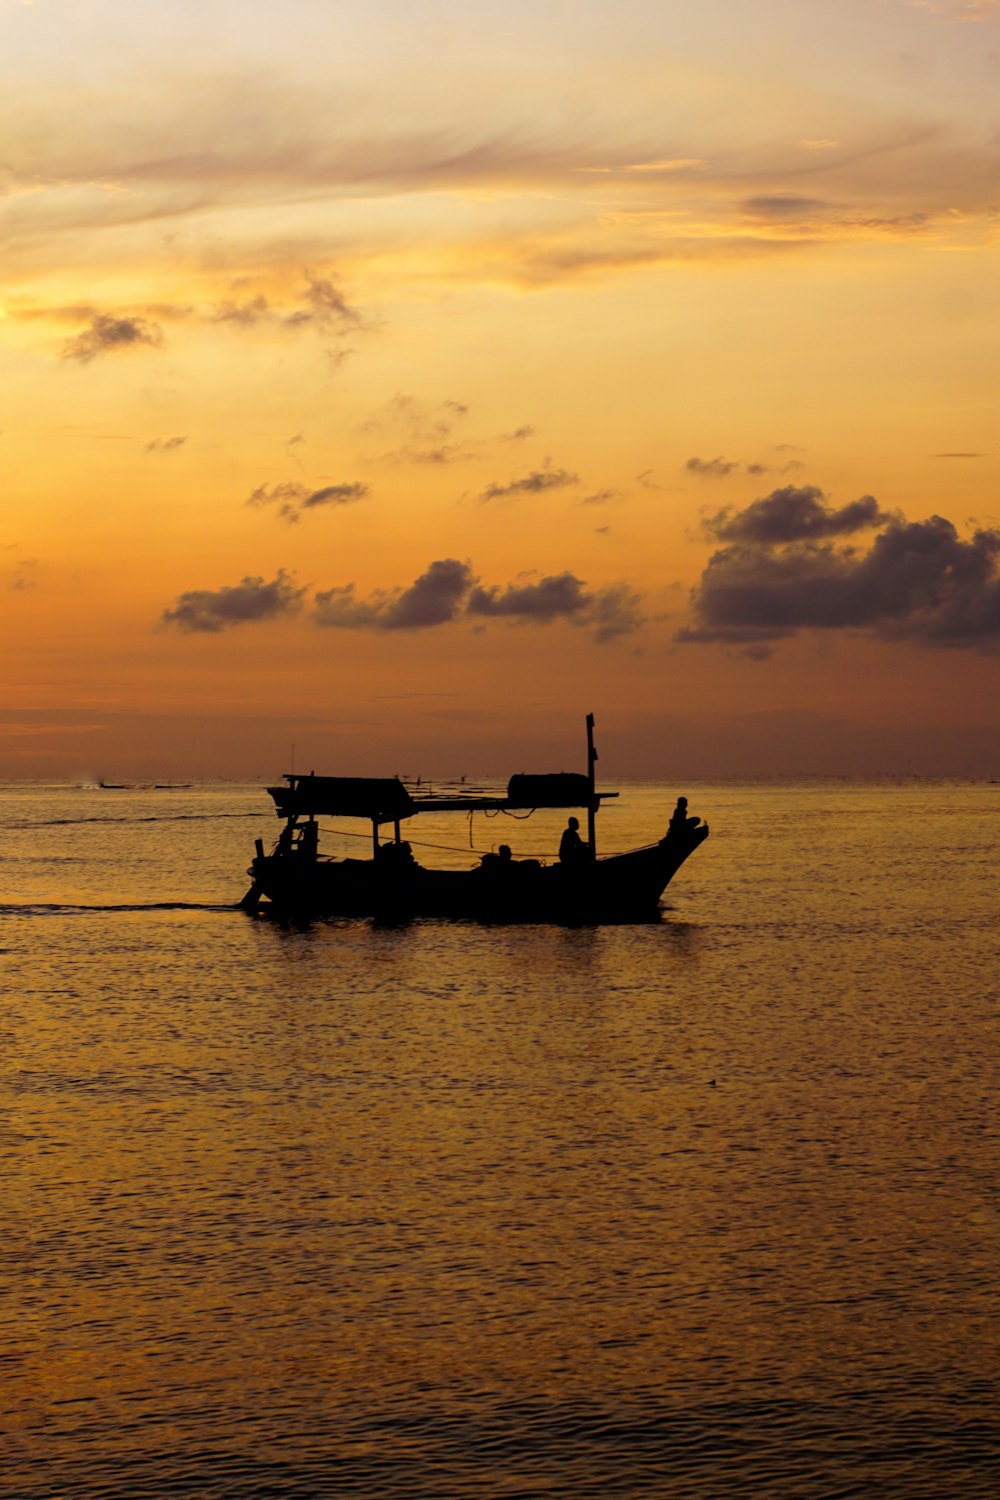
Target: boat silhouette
{"x":297,"y":881}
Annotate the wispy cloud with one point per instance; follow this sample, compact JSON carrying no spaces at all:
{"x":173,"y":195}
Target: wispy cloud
{"x":957,"y":10}
{"x":414,"y":431}
{"x":538,"y":482}
{"x":294,"y":499}
{"x":108,"y":334}
{"x":723,"y":468}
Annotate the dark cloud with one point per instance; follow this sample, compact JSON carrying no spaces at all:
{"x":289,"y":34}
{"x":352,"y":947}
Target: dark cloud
{"x":535,"y":483}
{"x":519,"y":434}
{"x":165,"y":445}
{"x":607,"y":612}
{"x":336,"y":494}
{"x":615,"y":611}
{"x":549,"y":599}
{"x":601,"y":497}
{"x":792,"y":514}
{"x":920,"y":582}
{"x":435,"y":598}
{"x":210,"y":610}
{"x":108,"y":335}
{"x":449,"y":591}
{"x":292,"y":498}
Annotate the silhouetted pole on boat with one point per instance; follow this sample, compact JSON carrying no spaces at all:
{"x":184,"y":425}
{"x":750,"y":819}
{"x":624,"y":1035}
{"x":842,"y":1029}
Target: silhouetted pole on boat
{"x":592,"y":804}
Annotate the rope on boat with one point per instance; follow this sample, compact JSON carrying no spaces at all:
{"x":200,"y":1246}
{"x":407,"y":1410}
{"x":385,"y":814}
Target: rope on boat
{"x":344,"y":833}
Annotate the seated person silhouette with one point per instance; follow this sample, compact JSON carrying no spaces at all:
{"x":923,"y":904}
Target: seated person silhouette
{"x":572,"y":849}
{"x":498,"y":863}
{"x":679,"y":820}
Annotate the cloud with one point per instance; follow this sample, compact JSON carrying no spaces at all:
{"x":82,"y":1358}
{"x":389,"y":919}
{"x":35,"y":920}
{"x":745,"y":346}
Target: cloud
{"x":608,"y":612}
{"x":958,"y":10}
{"x":714,"y":467}
{"x":422,"y":432}
{"x":535,"y":483}
{"x":783,"y":206}
{"x":721,"y":468}
{"x":24,"y":575}
{"x":108,"y":334}
{"x":435,"y":598}
{"x":165,"y":445}
{"x":449,"y":592}
{"x":246,"y":314}
{"x":208,"y":611}
{"x":258,"y":163}
{"x":325,"y":307}
{"x":782,"y":573}
{"x":320,"y":304}
{"x":336,"y":494}
{"x":793,"y":515}
{"x":549,"y":599}
{"x":292,"y":498}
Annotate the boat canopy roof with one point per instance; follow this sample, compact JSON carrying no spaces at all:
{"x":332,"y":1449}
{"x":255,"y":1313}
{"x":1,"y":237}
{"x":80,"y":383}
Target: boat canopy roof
{"x":380,"y":798}
{"x":563,"y":789}
{"x":384,"y":799}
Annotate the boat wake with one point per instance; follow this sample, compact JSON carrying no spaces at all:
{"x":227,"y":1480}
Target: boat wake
{"x":69,"y":908}
{"x":125,"y":817}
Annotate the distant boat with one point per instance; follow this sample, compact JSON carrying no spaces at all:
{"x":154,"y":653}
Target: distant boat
{"x":170,"y":786}
{"x":299,"y":882}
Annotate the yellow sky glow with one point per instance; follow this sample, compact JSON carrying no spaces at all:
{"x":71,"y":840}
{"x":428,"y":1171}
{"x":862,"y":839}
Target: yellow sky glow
{"x":380,"y":375}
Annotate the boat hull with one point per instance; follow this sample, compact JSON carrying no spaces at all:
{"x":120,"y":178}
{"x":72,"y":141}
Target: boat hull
{"x":621,"y":888}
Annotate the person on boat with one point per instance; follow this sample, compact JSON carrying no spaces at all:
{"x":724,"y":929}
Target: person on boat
{"x":572,"y":849}
{"x":501,"y":861}
{"x":679,"y":820}
{"x":395,"y":856}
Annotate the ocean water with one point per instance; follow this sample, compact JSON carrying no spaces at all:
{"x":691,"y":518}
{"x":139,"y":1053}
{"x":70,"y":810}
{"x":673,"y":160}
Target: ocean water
{"x":704,"y":1208}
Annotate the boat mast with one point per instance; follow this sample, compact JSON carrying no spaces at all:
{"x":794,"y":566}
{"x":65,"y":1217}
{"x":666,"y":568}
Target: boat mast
{"x":593,"y":804}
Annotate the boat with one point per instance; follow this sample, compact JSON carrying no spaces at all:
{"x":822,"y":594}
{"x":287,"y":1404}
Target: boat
{"x":297,"y":881}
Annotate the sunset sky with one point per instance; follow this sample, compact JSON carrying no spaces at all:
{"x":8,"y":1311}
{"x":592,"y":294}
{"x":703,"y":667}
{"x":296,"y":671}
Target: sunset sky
{"x":403,"y":379}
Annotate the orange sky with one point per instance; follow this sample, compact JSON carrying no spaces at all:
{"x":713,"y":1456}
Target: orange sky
{"x":404,"y":381}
